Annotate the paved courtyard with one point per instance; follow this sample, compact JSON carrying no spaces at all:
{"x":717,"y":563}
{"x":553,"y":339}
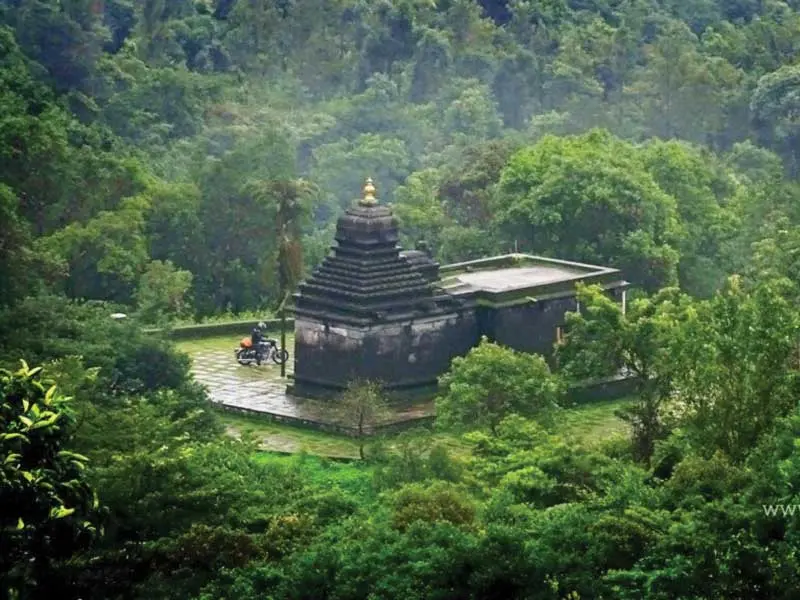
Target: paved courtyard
{"x":260,"y":389}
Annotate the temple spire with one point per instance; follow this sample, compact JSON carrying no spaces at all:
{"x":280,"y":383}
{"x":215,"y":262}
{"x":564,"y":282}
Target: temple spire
{"x":369,"y":194}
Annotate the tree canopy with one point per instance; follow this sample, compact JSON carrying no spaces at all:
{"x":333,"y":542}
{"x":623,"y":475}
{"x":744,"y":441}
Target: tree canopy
{"x":181,"y":160}
{"x":134,"y":133}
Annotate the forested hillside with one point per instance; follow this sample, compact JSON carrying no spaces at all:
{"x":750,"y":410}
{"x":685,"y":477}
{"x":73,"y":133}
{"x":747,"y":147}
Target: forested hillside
{"x":142,"y":140}
{"x":174,"y":160}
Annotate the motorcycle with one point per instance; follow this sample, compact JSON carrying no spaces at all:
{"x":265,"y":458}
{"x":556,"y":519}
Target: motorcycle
{"x":265,"y":350}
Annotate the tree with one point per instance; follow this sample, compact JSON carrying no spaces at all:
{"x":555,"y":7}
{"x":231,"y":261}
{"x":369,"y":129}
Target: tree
{"x":754,"y":164}
{"x":602,"y":341}
{"x":340,"y":167}
{"x":703,"y":190}
{"x":238,"y":216}
{"x":68,"y":40}
{"x":173,"y":228}
{"x":292,"y":213}
{"x":50,"y":511}
{"x":415,"y":457}
{"x":419,"y":208}
{"x":589,"y":198}
{"x":777,"y":254}
{"x":361,"y":407}
{"x":492,"y":382}
{"x":431,"y":61}
{"x":515,"y":80}
{"x":466,"y":243}
{"x":450,"y":207}
{"x":775,"y":106}
{"x":468,"y":185}
{"x":471,"y":113}
{"x":161,"y":293}
{"x":537,"y":467}
{"x":60,"y":169}
{"x":683,"y":92}
{"x":438,"y":502}
{"x":18,"y":276}
{"x":45,"y":328}
{"x":736,"y":366}
{"x":105,"y":257}
{"x":594,"y":66}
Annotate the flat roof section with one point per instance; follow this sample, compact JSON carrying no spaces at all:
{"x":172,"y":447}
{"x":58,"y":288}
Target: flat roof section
{"x":503,"y":280}
{"x":510,"y":277}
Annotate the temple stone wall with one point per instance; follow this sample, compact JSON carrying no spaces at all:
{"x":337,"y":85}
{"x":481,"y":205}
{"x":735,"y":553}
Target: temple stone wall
{"x":406,"y":354}
{"x":531,"y":327}
{"x":421,"y":350}
{"x":527,"y":327}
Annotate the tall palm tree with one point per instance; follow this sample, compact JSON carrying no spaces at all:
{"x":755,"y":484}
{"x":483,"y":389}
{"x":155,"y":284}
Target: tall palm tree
{"x":291,"y":198}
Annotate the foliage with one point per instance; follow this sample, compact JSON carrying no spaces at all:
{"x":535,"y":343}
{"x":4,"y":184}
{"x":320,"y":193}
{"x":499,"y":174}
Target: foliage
{"x":492,"y":382}
{"x":775,"y":105}
{"x":438,"y":503}
{"x":163,"y":117}
{"x":776,"y":255}
{"x":602,"y":341}
{"x":161,"y":292}
{"x":18,"y":269}
{"x":130,"y":361}
{"x":51,"y":511}
{"x":415,"y":458}
{"x":744,"y":375}
{"x":104,"y":257}
{"x":703,"y":190}
{"x":291,"y":215}
{"x":592,"y":198}
{"x":361,"y":407}
{"x":167,"y":158}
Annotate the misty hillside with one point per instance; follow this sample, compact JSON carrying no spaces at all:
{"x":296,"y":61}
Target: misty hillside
{"x":158,"y":115}
{"x":174,"y":166}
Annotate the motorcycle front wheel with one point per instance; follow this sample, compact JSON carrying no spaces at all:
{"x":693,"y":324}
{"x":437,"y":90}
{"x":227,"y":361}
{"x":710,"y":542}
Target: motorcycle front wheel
{"x":280,"y":356}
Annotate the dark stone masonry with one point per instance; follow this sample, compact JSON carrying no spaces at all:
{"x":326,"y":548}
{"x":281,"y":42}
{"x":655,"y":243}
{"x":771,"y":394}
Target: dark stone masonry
{"x":371,"y":311}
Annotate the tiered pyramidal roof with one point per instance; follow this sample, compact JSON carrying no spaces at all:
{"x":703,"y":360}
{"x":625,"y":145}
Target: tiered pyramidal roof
{"x":366,"y":280}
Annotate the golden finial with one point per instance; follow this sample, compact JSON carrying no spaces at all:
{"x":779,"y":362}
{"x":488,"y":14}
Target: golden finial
{"x":369,"y":194}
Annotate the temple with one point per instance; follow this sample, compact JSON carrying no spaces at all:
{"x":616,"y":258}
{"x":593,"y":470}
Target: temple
{"x":372,"y":311}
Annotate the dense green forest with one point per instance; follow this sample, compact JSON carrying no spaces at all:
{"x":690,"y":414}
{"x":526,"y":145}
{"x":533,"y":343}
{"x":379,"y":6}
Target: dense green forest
{"x":162,"y":158}
{"x":142,"y":141}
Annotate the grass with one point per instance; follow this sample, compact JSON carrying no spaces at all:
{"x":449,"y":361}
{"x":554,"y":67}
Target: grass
{"x":281,"y":437}
{"x":594,"y":422}
{"x":353,"y":478}
{"x":192,"y":346}
{"x":287,"y":438}
{"x":255,"y":315}
{"x":588,"y":424}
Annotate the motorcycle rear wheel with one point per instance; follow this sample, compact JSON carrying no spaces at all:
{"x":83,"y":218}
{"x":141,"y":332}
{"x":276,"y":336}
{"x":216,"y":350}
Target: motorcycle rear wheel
{"x":240,"y":358}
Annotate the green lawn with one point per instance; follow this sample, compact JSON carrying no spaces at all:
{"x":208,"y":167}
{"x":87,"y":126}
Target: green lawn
{"x":350,"y":477}
{"x":589,"y":424}
{"x":288,"y":438}
{"x":595,"y":422}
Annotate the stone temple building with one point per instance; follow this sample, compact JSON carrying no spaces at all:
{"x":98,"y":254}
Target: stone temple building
{"x":372,"y":311}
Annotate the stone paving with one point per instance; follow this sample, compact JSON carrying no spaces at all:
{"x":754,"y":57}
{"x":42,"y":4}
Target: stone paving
{"x":260,"y":389}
